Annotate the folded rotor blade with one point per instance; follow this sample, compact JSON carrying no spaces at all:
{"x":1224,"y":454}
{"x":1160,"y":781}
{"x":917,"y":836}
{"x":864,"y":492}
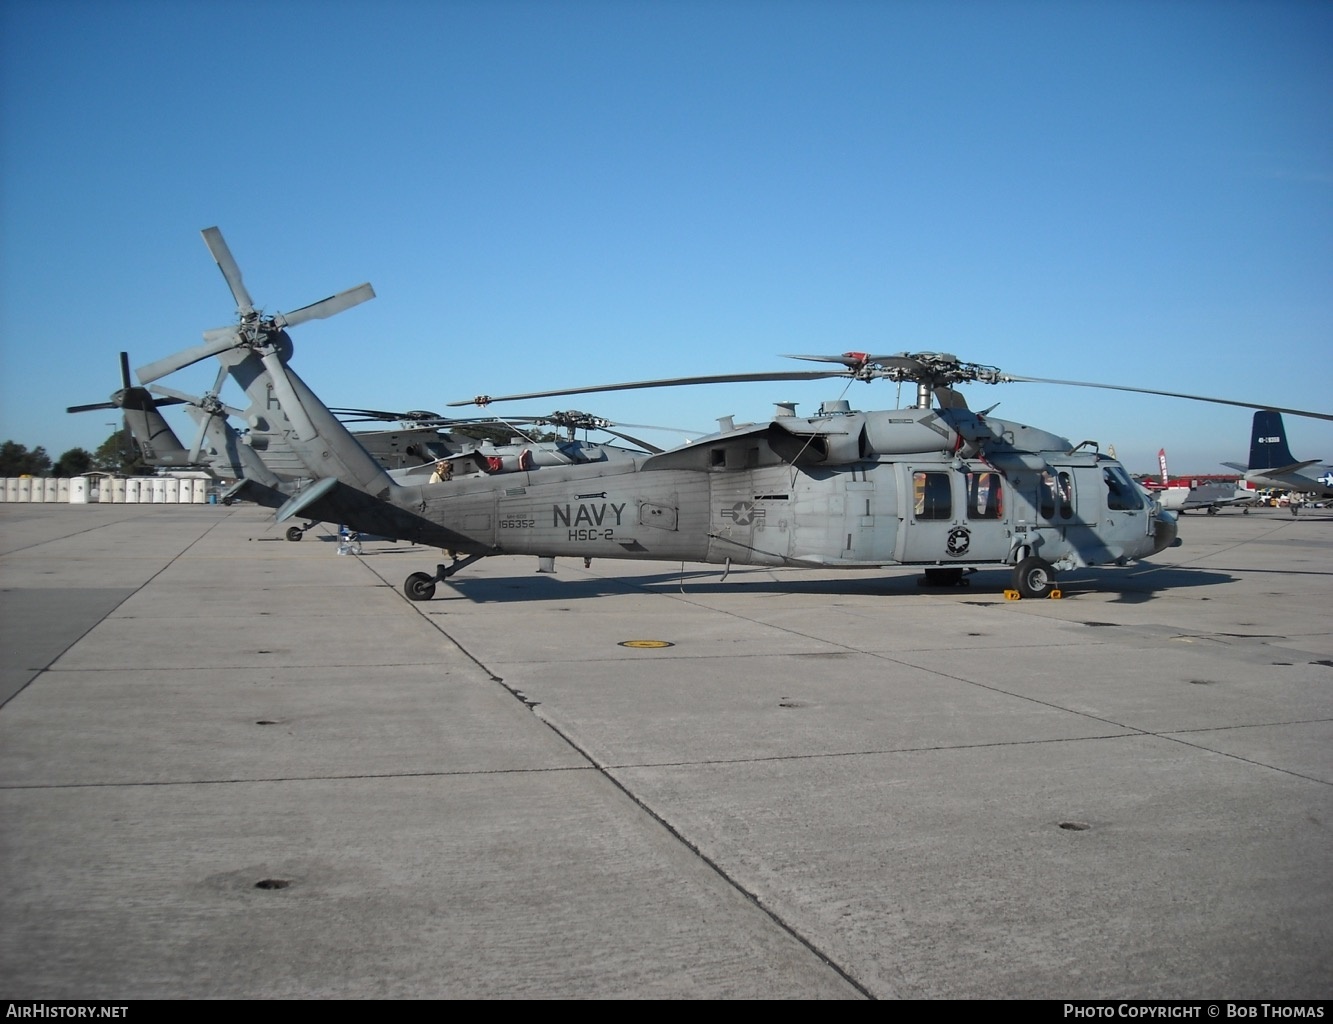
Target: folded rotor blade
{"x":1169,"y":394}
{"x":204,"y":419}
{"x":730,"y":378}
{"x":125,"y":381}
{"x":287,"y":399}
{"x":230,"y":271}
{"x":219,"y":380}
{"x":218,"y":341}
{"x":326,"y":307}
{"x":90,"y":408}
{"x":174,"y":397}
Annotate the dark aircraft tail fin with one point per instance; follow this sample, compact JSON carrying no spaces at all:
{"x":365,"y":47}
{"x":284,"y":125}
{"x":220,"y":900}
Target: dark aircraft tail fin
{"x":157,"y":442}
{"x":1268,"y":442}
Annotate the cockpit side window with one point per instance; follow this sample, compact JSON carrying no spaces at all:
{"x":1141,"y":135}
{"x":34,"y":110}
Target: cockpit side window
{"x":1121,"y":494}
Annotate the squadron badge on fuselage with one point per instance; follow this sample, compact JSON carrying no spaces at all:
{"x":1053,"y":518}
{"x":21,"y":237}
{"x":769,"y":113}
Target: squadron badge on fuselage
{"x":959,"y":541}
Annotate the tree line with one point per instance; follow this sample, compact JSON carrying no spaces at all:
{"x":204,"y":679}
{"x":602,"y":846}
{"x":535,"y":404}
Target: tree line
{"x":112,"y":456}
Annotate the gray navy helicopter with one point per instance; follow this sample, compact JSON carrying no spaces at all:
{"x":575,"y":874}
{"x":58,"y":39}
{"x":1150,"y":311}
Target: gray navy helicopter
{"x":941,"y":488}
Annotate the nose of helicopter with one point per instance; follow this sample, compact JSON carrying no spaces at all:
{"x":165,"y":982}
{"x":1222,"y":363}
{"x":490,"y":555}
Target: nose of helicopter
{"x":1164,"y":531}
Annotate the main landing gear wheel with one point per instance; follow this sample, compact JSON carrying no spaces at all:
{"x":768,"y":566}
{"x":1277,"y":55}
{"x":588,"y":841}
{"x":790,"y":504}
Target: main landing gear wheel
{"x":295,"y":533}
{"x":1034,"y":577}
{"x":419,"y":586}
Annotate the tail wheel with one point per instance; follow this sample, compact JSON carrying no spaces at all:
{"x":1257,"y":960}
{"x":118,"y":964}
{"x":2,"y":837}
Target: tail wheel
{"x":1034,"y":577}
{"x":419,"y":587}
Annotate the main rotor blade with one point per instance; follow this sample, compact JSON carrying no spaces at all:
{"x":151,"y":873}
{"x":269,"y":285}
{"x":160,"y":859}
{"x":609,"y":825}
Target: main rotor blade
{"x":652,"y":448}
{"x":218,"y":341}
{"x":125,"y":381}
{"x":287,"y":399}
{"x":373,"y":415}
{"x":560,"y":419}
{"x":351,"y":417}
{"x":730,"y":378}
{"x":1169,"y":394}
{"x":218,"y":247}
{"x":851,"y":360}
{"x":379,"y":414}
{"x":326,"y":307}
{"x":90,"y":408}
{"x":669,"y":430}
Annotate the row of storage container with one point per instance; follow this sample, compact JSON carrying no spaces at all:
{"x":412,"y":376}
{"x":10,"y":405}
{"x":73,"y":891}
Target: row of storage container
{"x":79,"y":490}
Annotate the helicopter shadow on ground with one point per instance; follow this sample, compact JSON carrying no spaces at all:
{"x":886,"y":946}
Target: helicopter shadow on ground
{"x":1305,"y":515}
{"x":1142,"y":584}
{"x":987,"y":585}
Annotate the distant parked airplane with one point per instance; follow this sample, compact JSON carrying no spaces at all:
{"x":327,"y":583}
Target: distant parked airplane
{"x":1271,"y":461}
{"x":1184,"y":494}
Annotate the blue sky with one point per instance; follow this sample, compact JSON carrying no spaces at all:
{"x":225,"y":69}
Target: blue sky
{"x":556,"y":194}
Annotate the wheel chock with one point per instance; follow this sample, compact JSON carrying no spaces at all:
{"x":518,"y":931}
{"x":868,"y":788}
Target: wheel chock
{"x":1055,"y":594}
{"x":1012,"y":595}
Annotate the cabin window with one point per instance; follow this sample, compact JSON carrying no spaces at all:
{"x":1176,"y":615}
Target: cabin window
{"x":1055,"y":494}
{"x":984,"y":497}
{"x":1121,"y":493}
{"x":933,"y":500}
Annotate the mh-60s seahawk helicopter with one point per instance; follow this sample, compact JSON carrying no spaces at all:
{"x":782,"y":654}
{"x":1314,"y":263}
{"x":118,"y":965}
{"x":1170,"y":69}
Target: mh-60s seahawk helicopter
{"x":944,"y":489}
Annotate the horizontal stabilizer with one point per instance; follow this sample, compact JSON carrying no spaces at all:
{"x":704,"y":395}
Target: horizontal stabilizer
{"x":233,"y":490}
{"x":1279,"y":471}
{"x":312,"y":494}
{"x":257,"y":491}
{"x":1292,"y":468}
